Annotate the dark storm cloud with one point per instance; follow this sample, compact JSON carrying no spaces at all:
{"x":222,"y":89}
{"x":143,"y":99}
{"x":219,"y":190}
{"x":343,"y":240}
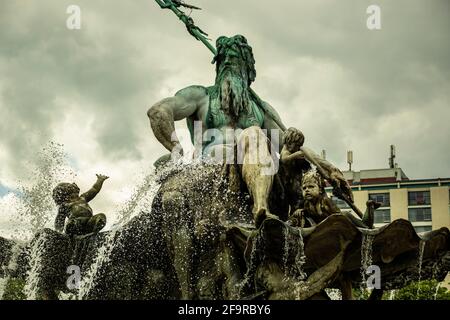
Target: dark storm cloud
{"x":346,"y":87}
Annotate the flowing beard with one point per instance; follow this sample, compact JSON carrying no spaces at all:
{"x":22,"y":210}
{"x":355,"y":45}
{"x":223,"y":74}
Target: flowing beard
{"x":234,"y":95}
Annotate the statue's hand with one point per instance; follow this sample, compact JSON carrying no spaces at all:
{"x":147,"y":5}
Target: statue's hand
{"x":300,"y":155}
{"x":102,"y":177}
{"x":296,"y":218}
{"x":177,"y":152}
{"x":338,"y":181}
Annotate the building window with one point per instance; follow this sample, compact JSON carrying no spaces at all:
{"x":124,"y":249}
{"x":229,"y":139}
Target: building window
{"x":382,"y":198}
{"x":419,"y":214}
{"x":341,"y":204}
{"x":422,"y":228}
{"x":382,"y":216}
{"x":418,"y":198}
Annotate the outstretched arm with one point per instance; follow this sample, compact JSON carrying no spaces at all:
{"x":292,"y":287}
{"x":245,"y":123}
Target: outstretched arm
{"x":331,"y":173}
{"x":287,"y":157}
{"x":164,"y":113}
{"x":92,"y":192}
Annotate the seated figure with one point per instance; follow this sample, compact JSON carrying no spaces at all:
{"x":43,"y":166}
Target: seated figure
{"x":75,"y":208}
{"x":317,"y":205}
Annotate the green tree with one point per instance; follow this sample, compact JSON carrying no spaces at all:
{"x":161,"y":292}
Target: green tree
{"x":14,"y":290}
{"x":422,"y":290}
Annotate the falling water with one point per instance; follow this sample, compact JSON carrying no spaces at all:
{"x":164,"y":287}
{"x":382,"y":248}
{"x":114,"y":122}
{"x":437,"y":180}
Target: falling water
{"x":39,"y":207}
{"x":392,"y":295}
{"x":31,"y":287}
{"x":285,"y":251}
{"x":437,"y":290}
{"x":102,"y":257}
{"x":300,"y":257}
{"x":252,"y":263}
{"x":140,"y":200}
{"x":12,"y":266}
{"x":334,"y":294}
{"x":3,"y":283}
{"x":366,"y":257}
{"x":419,"y":264}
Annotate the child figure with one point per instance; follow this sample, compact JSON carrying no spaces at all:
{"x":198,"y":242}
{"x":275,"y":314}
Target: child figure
{"x":75,"y":207}
{"x":318,"y":206}
{"x":293,"y":166}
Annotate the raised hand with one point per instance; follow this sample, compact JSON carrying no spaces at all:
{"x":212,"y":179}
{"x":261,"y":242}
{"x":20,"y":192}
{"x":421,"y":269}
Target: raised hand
{"x":102,"y":177}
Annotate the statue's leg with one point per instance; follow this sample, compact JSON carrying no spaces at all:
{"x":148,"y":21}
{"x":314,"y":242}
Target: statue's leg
{"x":179,"y":238}
{"x":76,"y":226}
{"x":96,"y":223}
{"x":257,"y":170}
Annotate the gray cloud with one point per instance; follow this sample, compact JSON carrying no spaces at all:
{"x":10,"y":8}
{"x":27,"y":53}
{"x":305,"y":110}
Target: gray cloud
{"x":346,"y":87}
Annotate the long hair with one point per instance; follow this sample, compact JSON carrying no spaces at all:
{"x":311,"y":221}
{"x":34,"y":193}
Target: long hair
{"x":233,"y":85}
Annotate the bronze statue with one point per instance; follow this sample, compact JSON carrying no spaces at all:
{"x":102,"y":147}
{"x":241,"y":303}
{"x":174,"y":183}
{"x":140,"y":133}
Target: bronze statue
{"x":75,"y":207}
{"x":229,"y":104}
{"x":317,"y":205}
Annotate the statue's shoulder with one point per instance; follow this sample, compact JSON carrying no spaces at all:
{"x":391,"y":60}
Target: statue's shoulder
{"x":270,"y":111}
{"x":193,"y":92}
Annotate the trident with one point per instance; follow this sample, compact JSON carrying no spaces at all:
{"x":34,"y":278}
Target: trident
{"x":200,"y":35}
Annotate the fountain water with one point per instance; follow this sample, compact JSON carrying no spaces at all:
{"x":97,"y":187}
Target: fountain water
{"x":258,"y":242}
{"x":419,"y":264}
{"x":366,"y":258}
{"x":334,"y":294}
{"x":101,"y":258}
{"x":31,"y":288}
{"x":300,"y":257}
{"x":140,"y":199}
{"x":11,"y":268}
{"x":437,"y":290}
{"x":285,"y":252}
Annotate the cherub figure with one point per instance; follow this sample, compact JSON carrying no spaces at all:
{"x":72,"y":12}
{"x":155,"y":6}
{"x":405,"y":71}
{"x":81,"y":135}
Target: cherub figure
{"x":317,"y":205}
{"x":293,"y":165}
{"x":75,"y":207}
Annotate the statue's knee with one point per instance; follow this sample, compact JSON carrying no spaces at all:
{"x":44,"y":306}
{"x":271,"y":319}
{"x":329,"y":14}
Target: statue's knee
{"x":252,"y":132}
{"x":100,"y":220}
{"x":250,"y":140}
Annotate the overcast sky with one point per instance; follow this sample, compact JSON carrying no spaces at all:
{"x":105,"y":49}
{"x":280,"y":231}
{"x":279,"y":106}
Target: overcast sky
{"x":345,"y":86}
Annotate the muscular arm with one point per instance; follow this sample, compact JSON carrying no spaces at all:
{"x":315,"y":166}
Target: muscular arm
{"x":164,"y":113}
{"x":271,"y":124}
{"x":332,"y":173}
{"x":287,"y":157}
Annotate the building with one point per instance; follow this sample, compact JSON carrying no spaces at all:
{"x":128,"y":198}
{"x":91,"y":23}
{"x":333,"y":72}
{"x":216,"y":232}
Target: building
{"x":424,"y":202}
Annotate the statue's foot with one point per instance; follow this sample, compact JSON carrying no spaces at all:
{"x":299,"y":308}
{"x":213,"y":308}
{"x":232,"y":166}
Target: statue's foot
{"x":368,"y":218}
{"x":262,"y":214}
